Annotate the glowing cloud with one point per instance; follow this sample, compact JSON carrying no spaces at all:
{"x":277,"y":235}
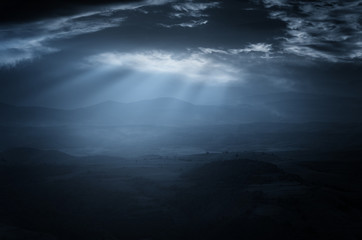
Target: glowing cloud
{"x":193,"y":67}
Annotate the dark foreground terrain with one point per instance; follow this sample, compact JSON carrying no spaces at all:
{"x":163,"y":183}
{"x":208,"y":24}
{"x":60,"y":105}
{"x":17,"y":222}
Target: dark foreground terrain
{"x":245,"y":195}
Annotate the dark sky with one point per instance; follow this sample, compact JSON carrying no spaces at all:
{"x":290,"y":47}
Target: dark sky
{"x":75,"y":53}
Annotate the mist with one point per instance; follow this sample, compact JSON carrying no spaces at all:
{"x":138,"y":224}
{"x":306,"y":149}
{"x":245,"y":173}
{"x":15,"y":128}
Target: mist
{"x":191,"y":119}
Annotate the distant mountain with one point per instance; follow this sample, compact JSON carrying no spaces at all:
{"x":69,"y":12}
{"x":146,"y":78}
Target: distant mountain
{"x":288,"y":107}
{"x":161,"y":111}
{"x":303,"y":107}
{"x":15,"y":115}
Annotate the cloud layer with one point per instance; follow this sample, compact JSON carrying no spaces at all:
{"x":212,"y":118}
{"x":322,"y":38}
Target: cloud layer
{"x":31,"y":40}
{"x":190,"y":14}
{"x":192,"y":9}
{"x":327,"y":30}
{"x":24,"y":42}
{"x":257,"y":48}
{"x":189,"y":67}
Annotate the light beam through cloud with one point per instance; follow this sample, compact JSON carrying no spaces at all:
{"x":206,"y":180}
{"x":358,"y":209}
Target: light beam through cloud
{"x":192,"y":67}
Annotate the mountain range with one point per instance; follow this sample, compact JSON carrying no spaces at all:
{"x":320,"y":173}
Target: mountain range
{"x":174,"y":112}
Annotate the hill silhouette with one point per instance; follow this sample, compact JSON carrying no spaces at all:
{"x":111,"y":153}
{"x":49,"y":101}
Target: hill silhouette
{"x":288,"y":107}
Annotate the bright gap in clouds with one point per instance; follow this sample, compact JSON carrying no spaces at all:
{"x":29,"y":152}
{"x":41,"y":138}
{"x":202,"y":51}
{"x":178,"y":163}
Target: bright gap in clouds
{"x":192,"y":67}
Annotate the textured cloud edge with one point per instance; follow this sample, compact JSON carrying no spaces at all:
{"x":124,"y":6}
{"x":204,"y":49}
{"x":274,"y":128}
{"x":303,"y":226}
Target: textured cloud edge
{"x":190,"y":24}
{"x":327,"y":30}
{"x":190,"y":14}
{"x":20,"y":48}
{"x":192,"y":9}
{"x":261,"y":48}
{"x":25,"y":42}
{"x":194,"y":67}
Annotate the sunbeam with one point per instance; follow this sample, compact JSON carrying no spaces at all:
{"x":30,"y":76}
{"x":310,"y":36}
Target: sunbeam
{"x":180,"y":119}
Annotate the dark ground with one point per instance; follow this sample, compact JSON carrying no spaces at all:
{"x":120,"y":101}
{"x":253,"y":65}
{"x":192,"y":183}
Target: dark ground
{"x":245,"y":195}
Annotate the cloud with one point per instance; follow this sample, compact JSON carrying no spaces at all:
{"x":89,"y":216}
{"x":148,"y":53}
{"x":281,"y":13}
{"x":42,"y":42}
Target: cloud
{"x":192,"y":9}
{"x":256,"y":47}
{"x":32,"y":40}
{"x":326,"y":30}
{"x":190,"y":14}
{"x":190,"y":67}
{"x":24,"y":42}
{"x":190,"y":24}
{"x":13,"y":52}
{"x":212,"y":50}
{"x":263,"y":48}
{"x":274,"y":3}
{"x":70,"y":27}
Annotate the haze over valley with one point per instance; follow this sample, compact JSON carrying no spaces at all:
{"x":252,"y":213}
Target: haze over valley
{"x":180,"y":119}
